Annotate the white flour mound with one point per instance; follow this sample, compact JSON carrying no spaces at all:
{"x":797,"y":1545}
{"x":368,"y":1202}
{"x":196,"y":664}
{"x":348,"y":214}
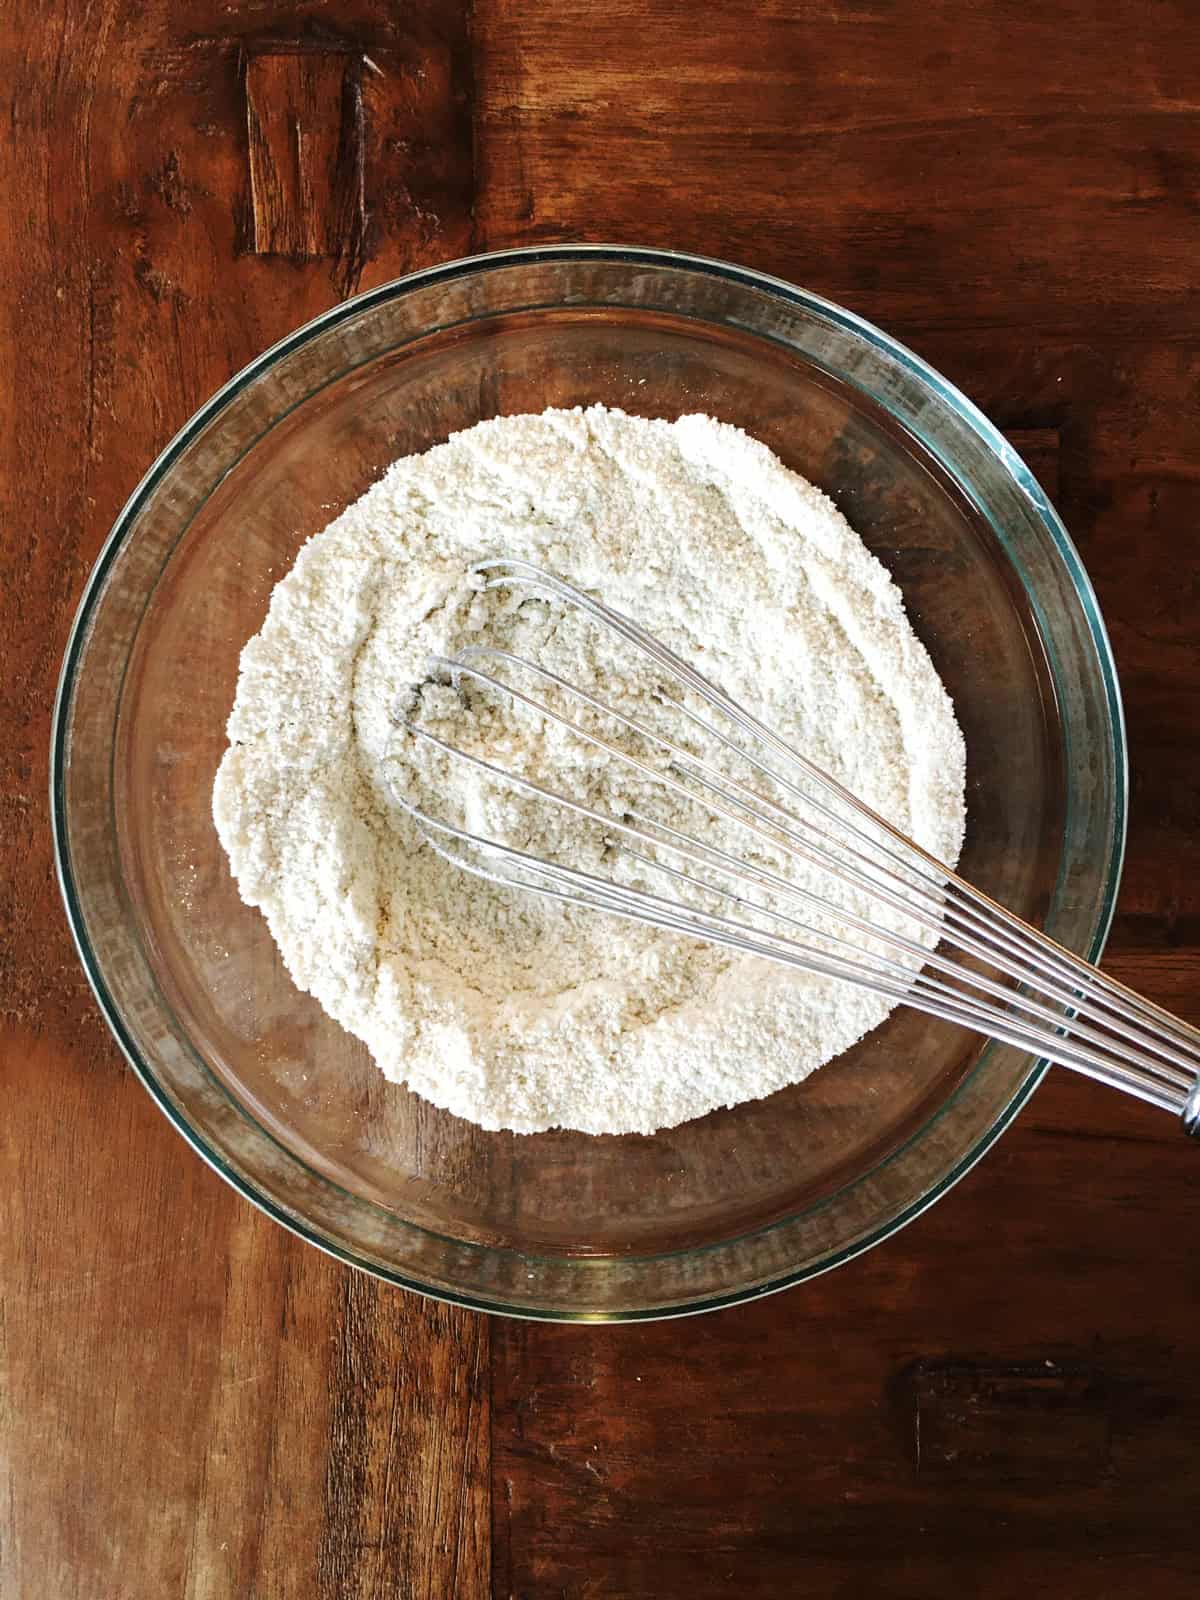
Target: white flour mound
{"x":506,"y":1009}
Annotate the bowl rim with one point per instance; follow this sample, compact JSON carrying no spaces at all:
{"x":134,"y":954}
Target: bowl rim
{"x":749,"y":277}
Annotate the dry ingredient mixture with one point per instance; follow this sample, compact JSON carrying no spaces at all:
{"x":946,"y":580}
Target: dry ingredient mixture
{"x":503,"y":1008}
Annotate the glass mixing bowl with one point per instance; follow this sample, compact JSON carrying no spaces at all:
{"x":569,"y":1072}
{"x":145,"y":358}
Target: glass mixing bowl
{"x":288,"y":1107}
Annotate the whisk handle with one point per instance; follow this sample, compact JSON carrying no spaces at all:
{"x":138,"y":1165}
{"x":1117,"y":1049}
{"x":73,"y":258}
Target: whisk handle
{"x":1191,"y":1113}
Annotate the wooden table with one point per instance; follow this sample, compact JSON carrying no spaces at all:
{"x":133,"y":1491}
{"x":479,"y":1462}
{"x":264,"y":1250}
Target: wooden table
{"x":1003,"y":1400}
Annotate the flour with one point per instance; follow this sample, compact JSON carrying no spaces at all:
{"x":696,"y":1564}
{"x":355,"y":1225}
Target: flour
{"x":505,"y":1009}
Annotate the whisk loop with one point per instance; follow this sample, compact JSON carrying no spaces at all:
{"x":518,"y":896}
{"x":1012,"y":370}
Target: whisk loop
{"x":922,"y":924}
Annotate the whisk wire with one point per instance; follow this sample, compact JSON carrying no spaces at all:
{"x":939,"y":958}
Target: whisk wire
{"x":1062,"y":1008}
{"x":512,"y":573}
{"x":699,"y":852}
{"x":702,"y":854}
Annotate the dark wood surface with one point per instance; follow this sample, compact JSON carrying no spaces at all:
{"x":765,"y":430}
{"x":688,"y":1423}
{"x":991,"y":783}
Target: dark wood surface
{"x":1003,"y":1399}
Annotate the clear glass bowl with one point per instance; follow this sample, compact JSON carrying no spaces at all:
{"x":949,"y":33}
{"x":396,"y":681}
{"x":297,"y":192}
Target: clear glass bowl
{"x":289,"y":1108}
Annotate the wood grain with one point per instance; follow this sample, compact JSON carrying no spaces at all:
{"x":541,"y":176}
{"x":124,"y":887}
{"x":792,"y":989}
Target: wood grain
{"x":986,"y":165}
{"x":1010,"y":190}
{"x":772,"y":1449}
{"x":191,"y":1401}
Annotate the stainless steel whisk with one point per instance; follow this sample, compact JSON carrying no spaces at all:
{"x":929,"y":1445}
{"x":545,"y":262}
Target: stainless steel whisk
{"x":1055,"y":1005}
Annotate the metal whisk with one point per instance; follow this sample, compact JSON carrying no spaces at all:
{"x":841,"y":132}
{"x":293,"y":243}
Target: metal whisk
{"x":978,"y":964}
